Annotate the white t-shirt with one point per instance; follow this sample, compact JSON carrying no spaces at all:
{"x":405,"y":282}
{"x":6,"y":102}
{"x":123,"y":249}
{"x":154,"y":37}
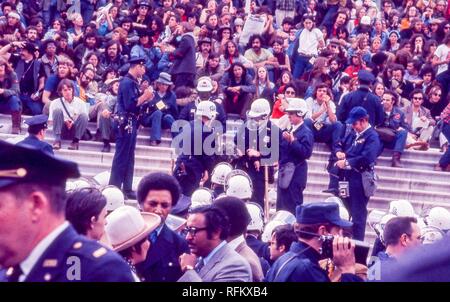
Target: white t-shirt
{"x":309,"y":41}
{"x":75,"y":108}
{"x":442,"y":53}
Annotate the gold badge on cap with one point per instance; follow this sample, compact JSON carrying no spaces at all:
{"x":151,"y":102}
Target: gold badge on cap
{"x":100,"y":252}
{"x":50,"y":263}
{"x":14,"y":173}
{"x":77,"y":245}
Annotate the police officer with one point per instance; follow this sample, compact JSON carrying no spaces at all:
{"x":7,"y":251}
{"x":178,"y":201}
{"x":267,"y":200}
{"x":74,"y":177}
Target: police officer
{"x":36,"y":130}
{"x":355,"y":154}
{"x":218,"y":177}
{"x":37,"y":243}
{"x":251,"y":139}
{"x":204,"y":90}
{"x":362,"y":97}
{"x":129,"y":101}
{"x":195,"y":161}
{"x":296,"y":147}
{"x":301,"y":263}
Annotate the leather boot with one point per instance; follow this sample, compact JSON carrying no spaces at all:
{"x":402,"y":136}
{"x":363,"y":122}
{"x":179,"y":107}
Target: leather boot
{"x":16,"y":119}
{"x":396,"y":160}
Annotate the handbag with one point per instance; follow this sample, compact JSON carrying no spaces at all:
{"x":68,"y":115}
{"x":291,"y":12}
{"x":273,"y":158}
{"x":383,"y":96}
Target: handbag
{"x":285,"y":175}
{"x":370,"y":182}
{"x":386,"y":134}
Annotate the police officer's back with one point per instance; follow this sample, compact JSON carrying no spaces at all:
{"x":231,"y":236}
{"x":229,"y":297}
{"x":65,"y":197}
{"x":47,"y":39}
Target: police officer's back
{"x":36,"y":129}
{"x":36,"y":242}
{"x":362,"y":97}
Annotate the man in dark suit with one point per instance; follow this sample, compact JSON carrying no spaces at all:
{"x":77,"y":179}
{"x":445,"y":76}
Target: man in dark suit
{"x":355,"y":154}
{"x":183,"y":58}
{"x":158,"y":193}
{"x":362,"y":97}
{"x":296,"y":147}
{"x":36,"y":129}
{"x":37,"y":243}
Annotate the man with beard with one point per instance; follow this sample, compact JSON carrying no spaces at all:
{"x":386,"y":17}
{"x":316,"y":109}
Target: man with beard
{"x":336,"y":74}
{"x":258,"y":55}
{"x":89,"y":44}
{"x":86,"y":77}
{"x":112,"y":57}
{"x":51,"y":84}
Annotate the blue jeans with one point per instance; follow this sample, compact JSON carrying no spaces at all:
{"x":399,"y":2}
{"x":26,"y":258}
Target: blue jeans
{"x":329,"y":133}
{"x":398,"y":144}
{"x":35,"y":107}
{"x":157,"y":121}
{"x":301,"y":65}
{"x":445,"y":159}
{"x":10,"y":104}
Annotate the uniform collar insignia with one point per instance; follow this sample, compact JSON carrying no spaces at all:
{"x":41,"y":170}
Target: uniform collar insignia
{"x":50,"y":263}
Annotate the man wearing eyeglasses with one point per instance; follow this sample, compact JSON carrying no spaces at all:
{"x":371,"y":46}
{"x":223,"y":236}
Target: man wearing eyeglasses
{"x":211,"y":258}
{"x":158,"y":193}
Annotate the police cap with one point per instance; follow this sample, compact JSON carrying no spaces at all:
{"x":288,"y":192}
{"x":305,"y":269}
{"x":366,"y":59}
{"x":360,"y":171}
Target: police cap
{"x":320,"y":212}
{"x":22,"y":164}
{"x":356,"y":114}
{"x":137,"y":61}
{"x":37,"y":123}
{"x":366,"y":76}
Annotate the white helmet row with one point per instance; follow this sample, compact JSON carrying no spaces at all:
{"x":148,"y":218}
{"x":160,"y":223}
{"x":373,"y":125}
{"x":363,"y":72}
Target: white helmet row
{"x":401,"y":208}
{"x":220,"y":173}
{"x":238,"y":184}
{"x":201,"y":197}
{"x":204,"y":84}
{"x":297,"y":105}
{"x":102,"y":178}
{"x":438,"y":217}
{"x":206,"y":109}
{"x":431,"y":234}
{"x":259,"y":108}
{"x":268,"y":230}
{"x":114,"y":198}
{"x":256,"y":215}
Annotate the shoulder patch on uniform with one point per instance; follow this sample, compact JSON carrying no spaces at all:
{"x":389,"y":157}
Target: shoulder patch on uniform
{"x":100,"y":252}
{"x":77,"y":245}
{"x":50,"y":263}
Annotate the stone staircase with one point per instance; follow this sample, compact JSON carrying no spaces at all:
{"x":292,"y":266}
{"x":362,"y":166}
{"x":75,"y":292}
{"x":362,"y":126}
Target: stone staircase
{"x":416,"y":182}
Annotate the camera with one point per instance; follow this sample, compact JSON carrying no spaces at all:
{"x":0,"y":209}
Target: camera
{"x":361,"y":249}
{"x":343,"y":189}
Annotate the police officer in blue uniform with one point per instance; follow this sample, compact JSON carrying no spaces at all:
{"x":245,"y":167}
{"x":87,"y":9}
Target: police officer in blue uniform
{"x":254,"y":143}
{"x":355,"y":154}
{"x":195,"y":161}
{"x":129,"y":100}
{"x":296,"y":147}
{"x":362,"y":97}
{"x":36,"y":129}
{"x":37,"y":243}
{"x":301,"y":263}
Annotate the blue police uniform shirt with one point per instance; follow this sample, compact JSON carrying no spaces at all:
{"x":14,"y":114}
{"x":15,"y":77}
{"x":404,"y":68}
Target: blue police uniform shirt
{"x":128,"y":95}
{"x":32,"y":141}
{"x":361,"y":151}
{"x":300,"y":149}
{"x":71,"y":257}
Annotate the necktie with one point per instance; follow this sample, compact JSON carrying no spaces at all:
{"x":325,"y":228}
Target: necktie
{"x":200,"y":264}
{"x":153,"y":237}
{"x":14,"y":277}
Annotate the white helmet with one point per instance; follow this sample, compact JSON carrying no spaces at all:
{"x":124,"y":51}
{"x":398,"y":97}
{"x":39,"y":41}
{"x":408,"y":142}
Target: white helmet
{"x":114,"y":198}
{"x":82,"y":183}
{"x":285,"y":217}
{"x":220,"y":172}
{"x":401,"y":208}
{"x":431,"y":234}
{"x":382,"y":225}
{"x":238,"y":184}
{"x":343,"y":213}
{"x":439,"y":217}
{"x":135,"y":184}
{"x":204,"y":84}
{"x":175,"y":223}
{"x":70,"y":186}
{"x":336,"y":200}
{"x":207,"y":109}
{"x":201,"y":197}
{"x":374,"y":218}
{"x":102,"y":178}
{"x":256,"y":214}
{"x":259,"y":108}
{"x":270,"y":226}
{"x":297,"y":105}
{"x":14,"y":140}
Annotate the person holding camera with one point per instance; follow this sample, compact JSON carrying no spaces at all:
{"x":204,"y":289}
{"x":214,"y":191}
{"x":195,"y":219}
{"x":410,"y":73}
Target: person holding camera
{"x":319,"y":229}
{"x":162,"y":110}
{"x":129,"y":100}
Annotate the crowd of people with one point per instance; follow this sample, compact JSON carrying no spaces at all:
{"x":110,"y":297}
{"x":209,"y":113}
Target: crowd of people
{"x":360,"y":76}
